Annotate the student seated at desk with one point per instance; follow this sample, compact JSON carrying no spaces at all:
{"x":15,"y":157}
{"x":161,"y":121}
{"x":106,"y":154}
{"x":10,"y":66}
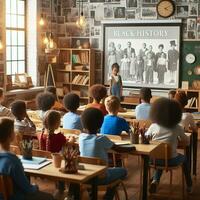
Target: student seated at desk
{"x":11,"y":166}
{"x":72,"y":120}
{"x":23,"y":124}
{"x":48,"y":139}
{"x":45,"y":101}
{"x":187,"y":118}
{"x":4,"y":112}
{"x":142,"y":110}
{"x":91,"y":145}
{"x":98,"y":92}
{"x":113,"y":124}
{"x":57,"y":105}
{"x":166,"y":115}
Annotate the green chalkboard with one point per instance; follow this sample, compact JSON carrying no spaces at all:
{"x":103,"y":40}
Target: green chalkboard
{"x":194,"y":48}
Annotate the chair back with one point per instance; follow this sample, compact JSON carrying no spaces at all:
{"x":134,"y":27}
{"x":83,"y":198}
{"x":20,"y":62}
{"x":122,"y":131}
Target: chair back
{"x":41,"y":153}
{"x":163,"y":152}
{"x":35,"y":152}
{"x":6,"y":186}
{"x":68,"y":132}
{"x":91,"y":160}
{"x":142,"y":123}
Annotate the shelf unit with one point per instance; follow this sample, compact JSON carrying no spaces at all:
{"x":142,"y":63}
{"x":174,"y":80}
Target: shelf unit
{"x":75,"y":72}
{"x":195,"y":107}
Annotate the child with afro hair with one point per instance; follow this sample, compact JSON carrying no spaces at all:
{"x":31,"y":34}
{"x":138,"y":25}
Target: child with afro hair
{"x":45,"y":101}
{"x":98,"y":92}
{"x":71,"y":120}
{"x":166,"y":115}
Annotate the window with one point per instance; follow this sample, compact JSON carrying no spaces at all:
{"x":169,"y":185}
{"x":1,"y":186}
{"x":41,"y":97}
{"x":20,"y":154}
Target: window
{"x":15,"y":37}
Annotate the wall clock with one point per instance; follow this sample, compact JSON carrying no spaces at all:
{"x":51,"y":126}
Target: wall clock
{"x":190,"y":58}
{"x":165,"y":8}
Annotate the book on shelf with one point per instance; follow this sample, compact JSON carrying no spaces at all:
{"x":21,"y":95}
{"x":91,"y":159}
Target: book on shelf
{"x":66,"y":77}
{"x":86,"y":80}
{"x":76,"y":59}
{"x":192,"y":103}
{"x":82,"y":79}
{"x":78,"y":67}
{"x":82,"y":57}
{"x":75,"y":79}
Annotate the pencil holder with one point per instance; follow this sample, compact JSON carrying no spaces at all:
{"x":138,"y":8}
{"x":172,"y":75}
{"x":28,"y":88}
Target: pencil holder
{"x":134,"y":138}
{"x":26,"y":147}
{"x":70,"y":154}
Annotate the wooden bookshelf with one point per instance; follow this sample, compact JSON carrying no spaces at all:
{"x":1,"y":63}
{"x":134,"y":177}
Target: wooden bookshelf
{"x":75,"y":72}
{"x":193,"y":100}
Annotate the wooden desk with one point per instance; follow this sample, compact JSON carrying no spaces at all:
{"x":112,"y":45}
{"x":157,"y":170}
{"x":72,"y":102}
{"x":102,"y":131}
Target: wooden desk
{"x":129,"y":114}
{"x":143,"y":150}
{"x":91,"y":172}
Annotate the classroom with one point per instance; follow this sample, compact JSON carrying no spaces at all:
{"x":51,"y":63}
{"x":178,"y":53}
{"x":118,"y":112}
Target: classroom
{"x":99,"y":99}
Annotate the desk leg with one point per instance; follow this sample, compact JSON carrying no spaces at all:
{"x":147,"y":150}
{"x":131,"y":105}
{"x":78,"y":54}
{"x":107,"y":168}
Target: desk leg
{"x":94,"y":188}
{"x":188,"y":156}
{"x":144,"y":195}
{"x":194,"y":152}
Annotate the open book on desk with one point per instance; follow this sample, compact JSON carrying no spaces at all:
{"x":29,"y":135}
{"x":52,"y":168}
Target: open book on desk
{"x":35,"y":163}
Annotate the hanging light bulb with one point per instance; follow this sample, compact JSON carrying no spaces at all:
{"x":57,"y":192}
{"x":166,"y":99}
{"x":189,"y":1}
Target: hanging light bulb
{"x":41,"y":22}
{"x":46,"y":40}
{"x":81,"y":22}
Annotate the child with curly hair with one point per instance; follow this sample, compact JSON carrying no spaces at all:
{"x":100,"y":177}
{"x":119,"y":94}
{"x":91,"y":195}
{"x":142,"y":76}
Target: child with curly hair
{"x":166,"y":115}
{"x":48,"y":139}
{"x":98,"y":92}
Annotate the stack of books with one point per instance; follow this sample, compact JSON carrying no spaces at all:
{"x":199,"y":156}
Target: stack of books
{"x":80,"y":79}
{"x":192,"y":103}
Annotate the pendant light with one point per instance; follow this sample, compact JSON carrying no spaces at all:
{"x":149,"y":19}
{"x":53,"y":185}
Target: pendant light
{"x":48,"y":40}
{"x":81,"y":21}
{"x":41,"y":22}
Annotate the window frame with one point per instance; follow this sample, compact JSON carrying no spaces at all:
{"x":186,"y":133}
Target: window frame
{"x":25,"y":40}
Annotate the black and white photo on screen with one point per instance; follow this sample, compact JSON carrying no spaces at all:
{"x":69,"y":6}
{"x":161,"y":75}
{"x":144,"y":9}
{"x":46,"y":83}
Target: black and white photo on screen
{"x":193,"y":9}
{"x":149,"y":12}
{"x":191,"y":24}
{"x":108,"y":12}
{"x":131,"y":3}
{"x":130,"y":14}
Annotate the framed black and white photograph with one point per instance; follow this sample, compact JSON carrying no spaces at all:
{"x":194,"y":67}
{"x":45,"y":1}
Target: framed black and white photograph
{"x":108,"y":12}
{"x":131,"y":3}
{"x":182,"y":11}
{"x":149,"y":13}
{"x":191,"y":35}
{"x":193,"y":9}
{"x":148,"y":54}
{"x":95,"y":43}
{"x":119,"y":12}
{"x":191,"y":24}
{"x":130,"y":14}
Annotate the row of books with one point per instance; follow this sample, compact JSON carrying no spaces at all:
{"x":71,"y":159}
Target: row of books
{"x":192,"y":102}
{"x":81,"y":79}
{"x":82,"y":57}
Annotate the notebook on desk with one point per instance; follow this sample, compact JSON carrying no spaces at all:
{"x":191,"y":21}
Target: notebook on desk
{"x":35,"y":163}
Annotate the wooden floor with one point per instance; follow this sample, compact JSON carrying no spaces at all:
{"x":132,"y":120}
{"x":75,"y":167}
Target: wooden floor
{"x":133,"y":181}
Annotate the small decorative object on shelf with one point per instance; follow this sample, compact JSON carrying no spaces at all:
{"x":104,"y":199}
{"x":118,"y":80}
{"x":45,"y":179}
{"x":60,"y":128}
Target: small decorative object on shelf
{"x":26,"y":147}
{"x":70,"y":154}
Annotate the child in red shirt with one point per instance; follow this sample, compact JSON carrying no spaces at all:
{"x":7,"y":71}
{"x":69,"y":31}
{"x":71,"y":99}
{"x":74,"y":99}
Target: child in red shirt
{"x":48,"y":139}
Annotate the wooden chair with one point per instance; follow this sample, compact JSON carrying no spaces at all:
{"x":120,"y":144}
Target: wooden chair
{"x":6,"y":186}
{"x":123,"y":156}
{"x":117,"y":183}
{"x":164,"y":152}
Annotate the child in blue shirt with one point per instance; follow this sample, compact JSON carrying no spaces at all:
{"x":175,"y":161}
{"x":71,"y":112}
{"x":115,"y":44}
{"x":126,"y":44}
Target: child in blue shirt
{"x":71,"y":120}
{"x":113,"y":124}
{"x":11,"y":166}
{"x":143,"y":109}
{"x":91,"y":145}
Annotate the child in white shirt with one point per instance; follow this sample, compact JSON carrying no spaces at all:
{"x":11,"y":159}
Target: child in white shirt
{"x":166,"y":115}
